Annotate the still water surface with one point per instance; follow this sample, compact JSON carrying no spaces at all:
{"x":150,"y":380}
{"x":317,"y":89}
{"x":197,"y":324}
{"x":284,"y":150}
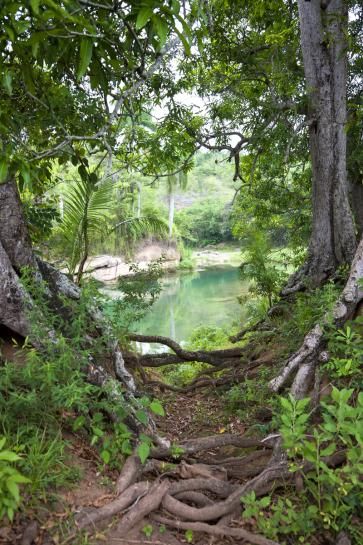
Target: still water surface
{"x":188,"y":300}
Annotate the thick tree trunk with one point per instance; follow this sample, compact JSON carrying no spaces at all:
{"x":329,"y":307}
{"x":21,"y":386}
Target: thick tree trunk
{"x":16,"y":253}
{"x":302,"y":363}
{"x":14,"y":234}
{"x":323,"y":43}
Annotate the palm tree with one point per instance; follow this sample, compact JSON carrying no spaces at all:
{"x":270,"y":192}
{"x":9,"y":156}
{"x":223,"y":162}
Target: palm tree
{"x":87,"y":215}
{"x":173,"y":180}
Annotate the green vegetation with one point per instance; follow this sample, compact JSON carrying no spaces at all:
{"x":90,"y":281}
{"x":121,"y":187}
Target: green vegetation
{"x":336,"y":492}
{"x":149,"y":127}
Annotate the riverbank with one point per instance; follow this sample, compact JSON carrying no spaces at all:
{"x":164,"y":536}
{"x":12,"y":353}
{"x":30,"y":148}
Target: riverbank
{"x":108,"y":268}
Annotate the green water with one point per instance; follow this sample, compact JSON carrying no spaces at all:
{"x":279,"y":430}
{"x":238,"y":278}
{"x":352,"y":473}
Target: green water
{"x":188,"y":300}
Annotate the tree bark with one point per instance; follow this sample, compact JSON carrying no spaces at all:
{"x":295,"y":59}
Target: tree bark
{"x":16,"y":253}
{"x":323,"y":44}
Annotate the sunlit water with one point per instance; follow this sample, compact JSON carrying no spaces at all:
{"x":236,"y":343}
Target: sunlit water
{"x":189,"y":300}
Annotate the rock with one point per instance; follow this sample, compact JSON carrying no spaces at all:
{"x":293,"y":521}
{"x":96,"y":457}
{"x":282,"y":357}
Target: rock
{"x":108,"y":268}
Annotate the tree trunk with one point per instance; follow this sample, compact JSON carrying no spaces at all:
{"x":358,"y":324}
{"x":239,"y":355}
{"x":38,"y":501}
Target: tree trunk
{"x":171,"y":212}
{"x":14,"y":235}
{"x":139,"y":186}
{"x":16,"y":253}
{"x":323,"y":42}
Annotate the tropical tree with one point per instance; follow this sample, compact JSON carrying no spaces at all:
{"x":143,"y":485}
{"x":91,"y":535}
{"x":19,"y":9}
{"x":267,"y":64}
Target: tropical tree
{"x":70,"y":72}
{"x":275,"y":78}
{"x":173,"y":181}
{"x":88,"y":216}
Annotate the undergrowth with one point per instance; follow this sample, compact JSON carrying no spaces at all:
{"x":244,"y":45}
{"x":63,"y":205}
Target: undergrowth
{"x":45,"y":393}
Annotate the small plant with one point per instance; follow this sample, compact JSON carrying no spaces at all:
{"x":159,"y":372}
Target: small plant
{"x":337,"y":492}
{"x":280,"y":517}
{"x":266,"y":272}
{"x":10,"y":478}
{"x":148,"y":530}
{"x":189,"y":536}
{"x":333,"y":495}
{"x":140,"y":291}
{"x":346,"y":353}
{"x":176,"y":451}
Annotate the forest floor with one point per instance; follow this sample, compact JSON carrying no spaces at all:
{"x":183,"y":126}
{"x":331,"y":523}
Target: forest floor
{"x":187,"y":416}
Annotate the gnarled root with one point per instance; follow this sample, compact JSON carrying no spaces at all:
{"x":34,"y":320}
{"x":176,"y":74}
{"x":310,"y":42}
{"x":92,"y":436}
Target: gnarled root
{"x":150,"y":502}
{"x":215,"y":530}
{"x":206,"y":443}
{"x":302,"y":364}
{"x":132,"y":493}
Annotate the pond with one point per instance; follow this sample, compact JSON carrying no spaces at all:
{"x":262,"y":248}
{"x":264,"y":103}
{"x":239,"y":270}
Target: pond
{"x":188,"y":300}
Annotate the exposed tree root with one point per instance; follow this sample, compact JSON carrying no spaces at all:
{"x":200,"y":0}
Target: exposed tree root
{"x":206,"y":443}
{"x":215,"y":530}
{"x":258,"y":326}
{"x":212,"y":357}
{"x":146,"y":505}
{"x":302,"y":364}
{"x":197,"y":498}
{"x":132,"y":493}
{"x":130,"y":472}
{"x":220,"y":488}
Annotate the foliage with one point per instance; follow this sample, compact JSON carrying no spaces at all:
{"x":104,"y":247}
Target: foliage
{"x":262,"y":267}
{"x":250,"y":398}
{"x":40,"y":217}
{"x":204,"y":223}
{"x":337,"y":492}
{"x":49,"y":393}
{"x":61,"y":62}
{"x":209,"y":338}
{"x":333,"y":495}
{"x":300,"y":316}
{"x":10,"y":478}
{"x":346,"y":353}
{"x":87,"y":217}
{"x":140,"y":291}
{"x":187,"y":261}
{"x":282,"y":517}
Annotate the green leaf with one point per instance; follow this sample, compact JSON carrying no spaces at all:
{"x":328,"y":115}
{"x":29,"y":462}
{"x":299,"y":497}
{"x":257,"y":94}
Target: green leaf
{"x":9,"y":456}
{"x":85,"y":56}
{"x":7,"y":83}
{"x":10,"y":513}
{"x":10,"y":32}
{"x":82,"y":172}
{"x":106,"y":456}
{"x":265,"y":502}
{"x":143,"y":451}
{"x":184,"y":42}
{"x":285,"y":403}
{"x":162,"y":28}
{"x":18,"y":478}
{"x":13,"y":489}
{"x":157,"y":408}
{"x":142,"y":417}
{"x":329,"y":450}
{"x":143,"y":17}
{"x":35,"y":6}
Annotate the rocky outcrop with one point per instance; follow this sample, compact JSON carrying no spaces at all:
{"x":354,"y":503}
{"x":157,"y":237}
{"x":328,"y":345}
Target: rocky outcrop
{"x":108,"y":268}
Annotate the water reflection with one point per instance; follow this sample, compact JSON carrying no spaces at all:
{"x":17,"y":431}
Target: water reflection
{"x":207,"y":297}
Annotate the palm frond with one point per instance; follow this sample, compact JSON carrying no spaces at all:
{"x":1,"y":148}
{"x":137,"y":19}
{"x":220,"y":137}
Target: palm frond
{"x":86,"y":210}
{"x":137,"y":228}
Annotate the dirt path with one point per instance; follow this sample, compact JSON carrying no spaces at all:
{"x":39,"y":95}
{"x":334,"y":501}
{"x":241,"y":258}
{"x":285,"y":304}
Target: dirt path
{"x":187,"y":417}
